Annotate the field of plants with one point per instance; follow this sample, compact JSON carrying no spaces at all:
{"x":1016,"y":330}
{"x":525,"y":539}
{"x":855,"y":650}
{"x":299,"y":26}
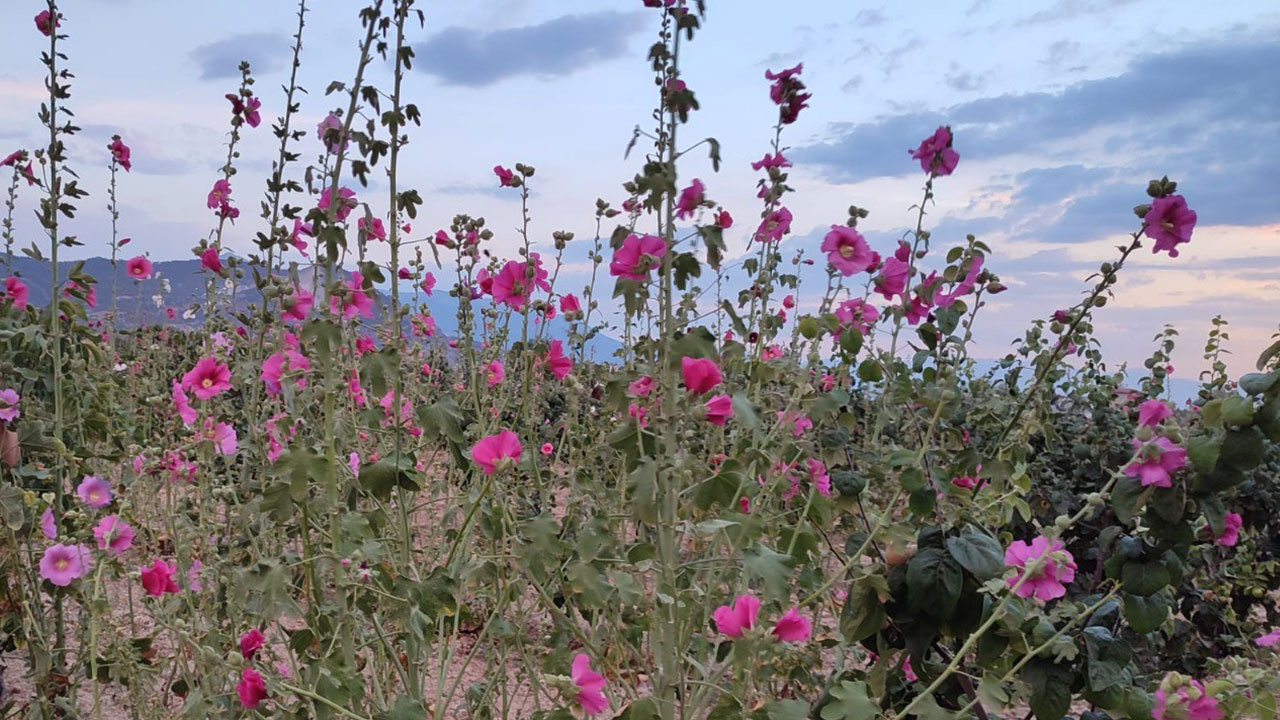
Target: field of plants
{"x":314,"y":504}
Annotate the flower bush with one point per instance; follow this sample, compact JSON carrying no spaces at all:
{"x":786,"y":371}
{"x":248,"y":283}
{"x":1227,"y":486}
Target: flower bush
{"x":777,"y":502}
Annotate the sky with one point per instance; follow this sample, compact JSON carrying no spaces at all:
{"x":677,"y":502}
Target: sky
{"x":1062,"y":111}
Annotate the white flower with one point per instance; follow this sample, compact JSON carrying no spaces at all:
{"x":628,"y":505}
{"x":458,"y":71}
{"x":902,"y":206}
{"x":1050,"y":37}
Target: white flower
{"x":189,"y":314}
{"x":158,"y":300}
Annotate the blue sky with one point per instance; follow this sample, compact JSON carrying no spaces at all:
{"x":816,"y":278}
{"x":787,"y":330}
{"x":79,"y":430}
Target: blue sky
{"x":1062,"y":111}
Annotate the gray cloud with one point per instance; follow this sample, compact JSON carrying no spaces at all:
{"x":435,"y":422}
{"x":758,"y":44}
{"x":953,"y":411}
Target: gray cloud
{"x":475,"y":58}
{"x":1071,"y":9}
{"x":869,"y":17}
{"x":966,"y":80}
{"x":265,"y":52}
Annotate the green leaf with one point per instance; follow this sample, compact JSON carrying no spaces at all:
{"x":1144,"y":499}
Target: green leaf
{"x":1108,"y":659}
{"x":1050,"y":689}
{"x":1144,"y":578}
{"x":642,"y":486}
{"x":405,"y":708}
{"x":11,"y":507}
{"x":787,"y":710}
{"x":934,"y":581}
{"x":863,"y":614}
{"x":980,"y":554}
{"x":1259,"y":383}
{"x":1243,"y":449}
{"x":851,"y":702}
{"x":1145,"y":613}
{"x":771,"y":567}
{"x":1203,"y":451}
{"x":390,"y":472}
{"x":1128,"y":498}
{"x":642,"y":709}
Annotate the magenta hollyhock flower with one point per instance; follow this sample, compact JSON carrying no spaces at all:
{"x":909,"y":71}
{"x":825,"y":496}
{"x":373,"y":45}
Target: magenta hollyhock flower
{"x":13,"y":158}
{"x":210,"y":261}
{"x":295,"y":237}
{"x":1050,"y":580}
{"x":331,"y":127}
{"x":222,"y":435}
{"x":547,"y":448}
{"x":556,"y":361}
{"x":819,"y":477}
{"x":9,"y":399}
{"x":935,"y":153}
{"x":252,"y":689}
{"x":220,"y":195}
{"x":570,"y":304}
{"x":428,"y":284}
{"x":182,"y":404}
{"x":787,"y":92}
{"x":1231,"y":523}
{"x":724,"y":220}
{"x":638,"y":254}
{"x":64,"y":564}
{"x":700,"y":374}
{"x":965,"y":286}
{"x":113,"y":535}
{"x":276,"y":365}
{"x":345,"y":203}
{"x":1169,"y":222}
{"x":138,"y":268}
{"x":491,"y":450}
{"x":1188,"y":701}
{"x":374,"y":229}
{"x":591,"y":697}
{"x":495,"y":373}
{"x":16,"y":292}
{"x":1268,"y":640}
{"x":121,"y":153}
{"x":1156,"y":462}
{"x":364,"y":345}
{"x":251,"y":115}
{"x":157,"y":579}
{"x":719,"y":409}
{"x":48,"y":526}
{"x":354,"y":301}
{"x":893,"y":278}
{"x":641,"y":386}
{"x":511,"y":285}
{"x":251,"y":642}
{"x":46,"y":22}
{"x":94,"y":491}
{"x":297,"y":305}
{"x":856,"y":313}
{"x":774,"y":226}
{"x":908,"y":672}
{"x":734,"y":621}
{"x":208,"y":378}
{"x":792,"y":627}
{"x":506,"y":178}
{"x":689,"y":200}
{"x":1153,"y":412}
{"x":847,"y":250}
{"x":771,"y":161}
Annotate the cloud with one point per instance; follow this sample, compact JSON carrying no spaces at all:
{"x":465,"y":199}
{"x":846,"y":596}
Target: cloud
{"x":264,"y":51}
{"x":966,"y":80}
{"x":1064,"y":10}
{"x":558,"y":47}
{"x":869,"y":17}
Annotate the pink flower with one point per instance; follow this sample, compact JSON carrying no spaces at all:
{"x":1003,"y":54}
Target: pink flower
{"x":208,"y":378}
{"x":1157,"y":460}
{"x":222,"y":435}
{"x":345,"y":203}
{"x":138,"y":268}
{"x":700,"y":374}
{"x":506,"y":178}
{"x":569,"y":304}
{"x":1169,"y":222}
{"x":251,"y":689}
{"x":1049,"y":581}
{"x":1153,"y":412}
{"x":556,"y":361}
{"x":94,"y":491}
{"x":331,"y":127}
{"x":857,"y":314}
{"x":1268,"y":640}
{"x":120,"y":152}
{"x":113,"y":535}
{"x":638,"y":254}
{"x":907,"y":671}
{"x":182,"y":405}
{"x":15,"y":291}
{"x":641,"y":387}
{"x":158,"y":580}
{"x":935,"y":153}
{"x":299,"y":229}
{"x":590,"y":684}
{"x":364,"y":345}
{"x":819,"y":477}
{"x":719,"y":409}
{"x":210,"y":261}
{"x":689,"y":200}
{"x":251,"y":642}
{"x":547,"y":448}
{"x":495,"y":373}
{"x":354,"y":301}
{"x":374,"y":229}
{"x":774,"y":226}
{"x":517,"y":280}
{"x":965,"y":286}
{"x":48,"y":526}
{"x":494,"y":449}
{"x":1188,"y":701}
{"x":734,"y":621}
{"x":893,"y":278}
{"x":64,"y":564}
{"x":847,"y":250}
{"x":428,"y":284}
{"x":771,"y":161}
{"x":1231,"y":523}
{"x":297,"y":305}
{"x":724,"y":220}
{"x":220,"y":195}
{"x":46,"y":23}
{"x":787,"y":92}
{"x":792,"y":627}
{"x":9,"y":399}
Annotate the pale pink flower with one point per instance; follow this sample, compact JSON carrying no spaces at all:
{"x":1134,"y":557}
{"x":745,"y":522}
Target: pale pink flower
{"x":48,"y":526}
{"x":591,"y":697}
{"x":94,"y":491}
{"x":1050,"y":580}
{"x":113,"y":535}
{"x":495,"y":373}
{"x":64,"y":564}
{"x":138,"y":268}
{"x":847,"y":250}
{"x":1157,"y":461}
{"x":1188,"y":701}
{"x":208,"y":378}
{"x":16,"y":292}
{"x":9,"y":399}
{"x":182,"y":405}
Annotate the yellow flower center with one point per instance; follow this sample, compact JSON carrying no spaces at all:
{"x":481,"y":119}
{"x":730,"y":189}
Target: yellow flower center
{"x":846,"y":251}
{"x":206,"y":382}
{"x":61,"y":563}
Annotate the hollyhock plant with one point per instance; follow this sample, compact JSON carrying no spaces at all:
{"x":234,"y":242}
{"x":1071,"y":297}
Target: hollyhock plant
{"x":297,"y":305}
{"x":182,"y":405}
{"x":506,"y":178}
{"x":277,"y":364}
{"x":638,"y":255}
{"x":511,"y":286}
{"x":157,"y":579}
{"x":1169,"y":222}
{"x":497,"y":449}
{"x":295,"y":236}
{"x":771,"y":161}
{"x":9,"y":399}
{"x":120,"y":153}
{"x":208,"y":378}
{"x":700,"y":374}
{"x":1231,"y":523}
{"x":733,"y":621}
{"x":857,"y":314}
{"x":374,"y":229}
{"x":345,"y":203}
{"x":331,"y":127}
{"x":251,"y":642}
{"x":719,"y":409}
{"x":1182,"y":698}
{"x":892,"y":280}
{"x":48,"y":526}
{"x":569,"y":304}
{"x":774,"y":226}
{"x":547,"y":448}
{"x":113,"y":535}
{"x":935,"y":153}
{"x":428,"y":284}
{"x":352,"y":302}
{"x":556,"y":361}
{"x":1157,"y":461}
{"x":847,"y":250}
{"x":792,"y":627}
{"x":16,"y":292}
{"x":495,"y":373}
{"x":590,"y":684}
{"x":252,"y":689}
{"x":220,"y":195}
{"x":210,"y":261}
{"x":1153,"y":412}
{"x":46,"y":22}
{"x":94,"y":491}
{"x":964,"y":287}
{"x":222,"y":435}
{"x":690,"y":199}
{"x":138,"y":268}
{"x":1050,"y":579}
{"x":787,"y":92}
{"x":1268,"y":640}
{"x":63,"y":564}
